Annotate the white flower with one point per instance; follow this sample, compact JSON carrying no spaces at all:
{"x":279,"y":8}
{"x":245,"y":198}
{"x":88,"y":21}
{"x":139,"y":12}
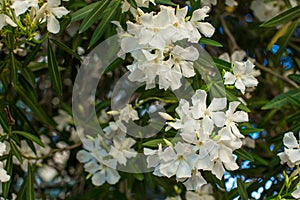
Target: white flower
{"x":63,"y":119}
{"x":128,"y":113}
{"x":195,"y":182}
{"x":210,"y":113}
{"x":4,"y":177}
{"x":106,"y":173}
{"x":296,"y":193}
{"x":179,"y":162}
{"x":21,"y":6}
{"x":291,"y":154}
{"x":204,"y":193}
{"x":242,"y":76}
{"x":49,"y":12}
{"x":204,"y":27}
{"x":2,"y":148}
{"x":47,"y":173}
{"x":6,"y":20}
{"x":98,"y":163}
{"x":153,"y":156}
{"x":232,"y":118}
{"x":121,"y":149}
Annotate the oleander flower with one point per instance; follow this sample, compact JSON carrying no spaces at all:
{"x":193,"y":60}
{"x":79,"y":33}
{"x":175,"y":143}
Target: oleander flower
{"x":296,"y":193}
{"x":6,"y":20}
{"x":242,"y":76}
{"x":21,"y":6}
{"x":291,"y":154}
{"x":50,"y":12}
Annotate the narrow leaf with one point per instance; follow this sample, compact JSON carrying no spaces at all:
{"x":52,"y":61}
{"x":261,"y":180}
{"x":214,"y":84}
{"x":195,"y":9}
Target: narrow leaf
{"x":13,"y":68}
{"x":241,"y":153}
{"x":9,"y":169}
{"x":95,"y":14}
{"x":35,"y":107}
{"x":83,"y":12}
{"x":30,"y":137}
{"x":165,"y":2}
{"x":210,"y":42}
{"x":282,"y":18}
{"x":29,"y":183}
{"x":242,"y":189}
{"x":295,"y":77}
{"x":282,"y":99}
{"x":53,"y":70}
{"x":109,"y":14}
{"x":16,"y":152}
{"x":66,"y":48}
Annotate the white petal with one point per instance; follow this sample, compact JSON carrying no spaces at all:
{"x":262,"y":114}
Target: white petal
{"x":218,"y":118}
{"x":184,"y":170}
{"x":83,"y":156}
{"x":53,"y":24}
{"x":240,"y":116}
{"x":240,"y":85}
{"x":238,"y":55}
{"x":217,"y":104}
{"x":20,"y":7}
{"x":206,"y":29}
{"x":290,"y":141}
{"x":112,"y":176}
{"x":293,"y":154}
{"x":99,"y":178}
{"x":218,"y":169}
{"x":229,"y":78}
{"x":296,"y":193}
{"x":59,"y":11}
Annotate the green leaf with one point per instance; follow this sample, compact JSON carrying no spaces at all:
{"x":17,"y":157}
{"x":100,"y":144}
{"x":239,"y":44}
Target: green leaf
{"x":247,"y":131}
{"x":222,"y":64}
{"x":31,"y":101}
{"x":53,"y":70}
{"x":282,"y":18}
{"x":28,"y":75}
{"x":29,"y":183}
{"x":295,"y":77}
{"x":154,"y":142}
{"x":282,"y":99}
{"x":31,"y":55}
{"x":242,"y":189}
{"x":30,"y":137}
{"x":109,"y":14}
{"x":245,"y":155}
{"x":83,"y":12}
{"x":95,"y":14}
{"x":116,"y":63}
{"x":294,"y":102}
{"x":165,"y":2}
{"x":210,"y":42}
{"x":284,"y":40}
{"x":66,"y":48}
{"x":13,"y":68}
{"x":9,"y":169}
{"x":16,"y":152}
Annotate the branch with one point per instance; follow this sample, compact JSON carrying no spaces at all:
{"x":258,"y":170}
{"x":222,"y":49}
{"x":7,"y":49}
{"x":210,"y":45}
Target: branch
{"x":287,"y":80}
{"x":74,"y":146}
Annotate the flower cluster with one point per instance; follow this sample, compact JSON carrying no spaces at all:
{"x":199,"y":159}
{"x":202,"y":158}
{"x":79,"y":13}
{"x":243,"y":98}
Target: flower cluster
{"x":29,"y":13}
{"x":102,"y":154}
{"x":209,"y":137}
{"x":152,"y":43}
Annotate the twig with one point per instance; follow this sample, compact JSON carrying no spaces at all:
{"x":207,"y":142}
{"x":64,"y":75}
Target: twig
{"x":260,"y":66}
{"x":74,"y":146}
{"x":234,"y":45}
